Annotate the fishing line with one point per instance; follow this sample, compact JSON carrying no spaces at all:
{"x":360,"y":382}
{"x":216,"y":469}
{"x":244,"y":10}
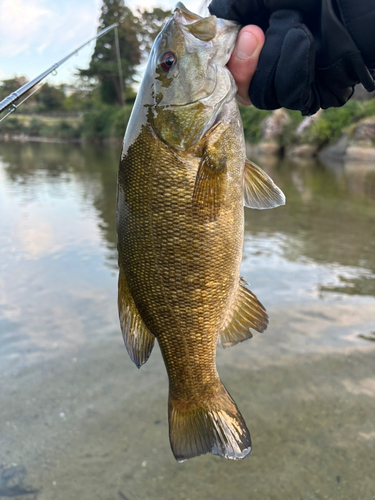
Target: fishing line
{"x":8,"y":102}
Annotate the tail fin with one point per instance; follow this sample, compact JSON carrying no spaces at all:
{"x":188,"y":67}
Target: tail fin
{"x":215,"y":426}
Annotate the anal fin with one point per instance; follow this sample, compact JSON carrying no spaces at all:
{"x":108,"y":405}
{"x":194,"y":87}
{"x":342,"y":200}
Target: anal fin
{"x":139,"y":341}
{"x":259,"y":189}
{"x":247,"y":313}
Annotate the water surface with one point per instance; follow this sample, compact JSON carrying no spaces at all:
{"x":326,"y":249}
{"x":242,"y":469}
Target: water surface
{"x":78,"y":420}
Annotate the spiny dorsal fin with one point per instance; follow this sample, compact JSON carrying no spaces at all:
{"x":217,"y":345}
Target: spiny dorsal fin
{"x":259,"y":189}
{"x":139,"y":341}
{"x":247,"y":313}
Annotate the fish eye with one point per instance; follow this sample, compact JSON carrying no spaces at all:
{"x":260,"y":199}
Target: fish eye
{"x":167,"y":60}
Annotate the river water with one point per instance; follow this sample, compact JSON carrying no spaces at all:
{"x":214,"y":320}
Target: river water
{"x":79,"y":421}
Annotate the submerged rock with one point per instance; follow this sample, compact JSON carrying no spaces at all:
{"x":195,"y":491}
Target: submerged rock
{"x":12,"y":481}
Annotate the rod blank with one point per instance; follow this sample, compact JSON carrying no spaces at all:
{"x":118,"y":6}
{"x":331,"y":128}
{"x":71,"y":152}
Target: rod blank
{"x":8,"y":102}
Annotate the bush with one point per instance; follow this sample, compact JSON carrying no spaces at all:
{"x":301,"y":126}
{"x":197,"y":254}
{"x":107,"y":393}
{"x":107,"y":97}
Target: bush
{"x":106,"y":122}
{"x":50,"y":98}
{"x":65,"y":130}
{"x":34,"y":128}
{"x":332,"y":123}
{"x":11,"y":125}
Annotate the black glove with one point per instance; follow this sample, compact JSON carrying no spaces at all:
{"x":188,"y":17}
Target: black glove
{"x":309,"y":59}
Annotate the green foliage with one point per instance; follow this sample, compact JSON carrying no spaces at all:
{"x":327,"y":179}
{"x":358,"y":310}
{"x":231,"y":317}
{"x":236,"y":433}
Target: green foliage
{"x":136,"y":34}
{"x":10,"y":125}
{"x":41,"y":127}
{"x":103,"y":65}
{"x":50,"y":98}
{"x":252,"y":118}
{"x":11,"y":85}
{"x":368,"y":108}
{"x":62,"y":130}
{"x":35,"y":127}
{"x":106,"y":122}
{"x":332,"y":123}
{"x":80,"y":100}
{"x":120,"y":122}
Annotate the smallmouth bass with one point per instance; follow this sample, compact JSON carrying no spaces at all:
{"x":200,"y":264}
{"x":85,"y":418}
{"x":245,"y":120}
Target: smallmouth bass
{"x":182,"y":183}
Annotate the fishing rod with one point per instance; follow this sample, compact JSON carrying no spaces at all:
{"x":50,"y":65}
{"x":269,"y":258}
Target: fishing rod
{"x":8,"y":102}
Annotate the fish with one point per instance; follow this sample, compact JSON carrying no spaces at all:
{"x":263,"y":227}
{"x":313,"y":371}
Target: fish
{"x":183,"y":181}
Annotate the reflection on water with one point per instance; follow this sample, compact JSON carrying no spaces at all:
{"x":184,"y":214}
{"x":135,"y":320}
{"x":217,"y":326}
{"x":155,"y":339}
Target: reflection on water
{"x":328,"y":221}
{"x":57,"y":240}
{"x":306,"y":386}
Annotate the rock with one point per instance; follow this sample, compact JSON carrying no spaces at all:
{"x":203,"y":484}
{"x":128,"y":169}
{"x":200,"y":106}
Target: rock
{"x":263,"y":148}
{"x":365,"y":130}
{"x":12,"y":481}
{"x":306,"y":123}
{"x":273,"y":126}
{"x":360,"y":153}
{"x":302,"y":150}
{"x":360,"y":147}
{"x":361,"y":94}
{"x":337,"y":150}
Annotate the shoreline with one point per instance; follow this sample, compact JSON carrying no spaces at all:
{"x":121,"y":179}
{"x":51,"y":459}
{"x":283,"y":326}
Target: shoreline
{"x":344,"y":149}
{"x":28,"y":138}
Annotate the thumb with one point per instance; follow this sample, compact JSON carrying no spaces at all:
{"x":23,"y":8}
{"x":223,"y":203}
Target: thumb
{"x":244,"y":60}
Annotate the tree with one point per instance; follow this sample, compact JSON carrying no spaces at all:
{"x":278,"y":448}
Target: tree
{"x":151,"y":22}
{"x":11,"y":85}
{"x":51,"y":98}
{"x":103,"y":65}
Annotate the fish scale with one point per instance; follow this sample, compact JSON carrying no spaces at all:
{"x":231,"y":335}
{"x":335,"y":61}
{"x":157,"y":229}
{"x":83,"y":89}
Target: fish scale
{"x":182,"y":248}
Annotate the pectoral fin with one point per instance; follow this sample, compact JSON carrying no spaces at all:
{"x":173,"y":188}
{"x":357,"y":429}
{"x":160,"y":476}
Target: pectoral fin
{"x":139,"y":341}
{"x":247,"y":313}
{"x":209,"y":186}
{"x":259,"y":189}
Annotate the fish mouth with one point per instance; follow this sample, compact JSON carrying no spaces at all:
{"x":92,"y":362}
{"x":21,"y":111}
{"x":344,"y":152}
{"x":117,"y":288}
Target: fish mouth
{"x":184,"y":15}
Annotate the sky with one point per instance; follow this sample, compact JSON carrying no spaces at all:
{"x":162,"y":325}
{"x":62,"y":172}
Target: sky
{"x":35,"y":34}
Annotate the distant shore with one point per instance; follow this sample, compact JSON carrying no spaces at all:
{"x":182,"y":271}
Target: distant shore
{"x":30,"y":138}
{"x":346,"y":133}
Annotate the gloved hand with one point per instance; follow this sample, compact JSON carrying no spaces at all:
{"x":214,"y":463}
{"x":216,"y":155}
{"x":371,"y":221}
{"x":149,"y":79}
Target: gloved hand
{"x":309,"y":59}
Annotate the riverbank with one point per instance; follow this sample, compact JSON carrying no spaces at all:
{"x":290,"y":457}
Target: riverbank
{"x":99,"y":124}
{"x":346,"y":133}
{"x":341,"y":134}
